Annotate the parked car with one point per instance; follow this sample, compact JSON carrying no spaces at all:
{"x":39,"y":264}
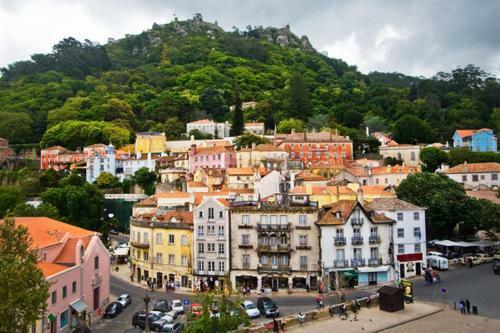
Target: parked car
{"x":125,"y":300}
{"x":162,"y":305}
{"x":496,"y":256}
{"x":437,"y":262}
{"x":173,"y":328}
{"x":496,"y":267}
{"x":113,"y":309}
{"x":139,"y":318}
{"x":485,"y":258}
{"x":165,"y":319}
{"x":267,"y":307}
{"x":477,"y":260}
{"x":250,"y":309}
{"x":177,"y":306}
{"x":113,"y":232}
{"x":196,"y":309}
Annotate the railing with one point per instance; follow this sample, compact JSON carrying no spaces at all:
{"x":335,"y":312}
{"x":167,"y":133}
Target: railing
{"x":303,"y":247}
{"x":357,"y":221}
{"x":246,"y":265}
{"x":140,"y":245}
{"x":374,"y":239}
{"x":245,"y":246}
{"x":357,"y":262}
{"x":340,"y":240}
{"x":274,"y":268}
{"x":341,"y":263}
{"x":273,"y":248}
{"x":303,"y":268}
{"x":374,"y":261}
{"x":302,"y":226}
{"x":357,"y":240}
{"x":273,"y":227}
{"x":245,"y":226}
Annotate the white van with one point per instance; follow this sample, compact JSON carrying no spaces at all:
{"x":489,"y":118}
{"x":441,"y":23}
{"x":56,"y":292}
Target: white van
{"x":435,"y":253}
{"x":437,"y":262}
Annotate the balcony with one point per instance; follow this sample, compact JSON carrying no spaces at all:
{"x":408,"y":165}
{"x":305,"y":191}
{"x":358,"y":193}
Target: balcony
{"x":274,"y":268}
{"x":245,"y":226}
{"x":280,"y":248}
{"x":340,"y":241}
{"x":273,"y":227}
{"x":374,"y":261}
{"x":374,"y":239}
{"x":245,"y":246}
{"x":357,"y":221}
{"x":357,"y":240}
{"x":246,"y":265}
{"x":303,"y":227}
{"x":303,"y":247}
{"x":303,"y":268}
{"x":341,"y":263}
{"x":140,"y":245}
{"x":357,"y":262}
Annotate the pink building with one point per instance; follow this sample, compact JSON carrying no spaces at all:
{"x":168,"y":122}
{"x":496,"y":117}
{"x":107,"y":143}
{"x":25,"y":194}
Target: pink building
{"x":221,"y":157}
{"x":59,"y":158}
{"x":77,"y":264}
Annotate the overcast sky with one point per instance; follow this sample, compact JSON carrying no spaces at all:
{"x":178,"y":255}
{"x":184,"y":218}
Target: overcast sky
{"x":412,"y":37}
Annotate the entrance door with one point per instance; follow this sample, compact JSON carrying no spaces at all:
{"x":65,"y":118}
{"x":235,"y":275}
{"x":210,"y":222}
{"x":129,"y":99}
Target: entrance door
{"x":53,"y":326}
{"x":159,"y":280}
{"x":274,"y":284}
{"x":418,"y":268}
{"x":96,"y":298}
{"x":372,"y":278}
{"x":401,"y":271}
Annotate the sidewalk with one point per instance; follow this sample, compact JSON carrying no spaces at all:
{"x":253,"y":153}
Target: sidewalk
{"x":371,"y":319}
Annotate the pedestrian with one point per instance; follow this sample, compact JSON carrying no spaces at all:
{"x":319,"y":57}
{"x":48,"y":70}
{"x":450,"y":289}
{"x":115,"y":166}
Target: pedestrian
{"x":283,"y":326}
{"x":462,"y":306}
{"x":467,"y":306}
{"x":275,"y":325}
{"x":307,"y":287}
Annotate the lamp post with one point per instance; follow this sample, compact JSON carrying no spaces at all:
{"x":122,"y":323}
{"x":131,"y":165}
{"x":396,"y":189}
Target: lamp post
{"x":147,"y":299}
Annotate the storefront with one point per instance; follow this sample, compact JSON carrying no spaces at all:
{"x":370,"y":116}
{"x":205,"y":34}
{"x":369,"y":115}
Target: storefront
{"x":373,"y":275}
{"x":409,"y":265}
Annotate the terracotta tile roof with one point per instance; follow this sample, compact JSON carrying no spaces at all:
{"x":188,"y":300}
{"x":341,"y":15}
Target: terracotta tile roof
{"x":179,"y":216}
{"x":343,"y":207}
{"x":239,"y":171}
{"x":67,"y":255}
{"x":202,"y":121}
{"x":308,"y":176}
{"x":393,"y":169}
{"x":172,"y":194}
{"x":314,"y":137}
{"x":213,"y":150}
{"x":196,"y":184}
{"x":49,"y":269}
{"x":465,"y":133}
{"x":254,"y":124}
{"x":299,"y":190}
{"x":484,"y":194}
{"x":268,"y":147}
{"x":198,"y":196}
{"x":390,"y":204}
{"x":376,"y":189}
{"x":474,"y":167}
{"x":46,"y":232}
{"x":322,"y":190}
{"x":223,"y":201}
{"x":148,"y":202}
{"x":380,"y":218}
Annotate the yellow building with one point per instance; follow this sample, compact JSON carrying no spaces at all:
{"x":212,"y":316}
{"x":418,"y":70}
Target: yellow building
{"x":161,"y":248}
{"x":150,"y":142}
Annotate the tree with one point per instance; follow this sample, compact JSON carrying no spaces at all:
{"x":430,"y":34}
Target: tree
{"x":10,"y":196}
{"x":392,"y":161}
{"x":15,"y":127}
{"x":286,"y":126}
{"x":212,"y":102}
{"x":105,"y":180}
{"x":352,"y":118}
{"x":411,"y":129}
{"x":44,"y":209}
{"x":199,"y":135}
{"x":146,"y":180}
{"x":24,"y":291}
{"x":297,"y":98}
{"x":432,"y":158}
{"x":238,"y":125}
{"x":248,"y":139}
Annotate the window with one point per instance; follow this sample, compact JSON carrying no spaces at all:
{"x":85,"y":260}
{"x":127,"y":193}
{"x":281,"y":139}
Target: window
{"x":417,"y":248}
{"x":464,"y":178}
{"x":283,"y":219}
{"x":64,"y":319}
{"x":416,"y":216}
{"x":301,"y":154}
{"x":274,"y":219}
{"x":340,"y":254}
{"x":146,"y":237}
{"x":401,"y":248}
{"x":54,"y":297}
{"x":374,"y":253}
{"x":318,"y":154}
{"x":494,"y":176}
{"x":284,"y":261}
{"x":274,"y":260}
{"x":146,"y":256}
{"x":184,"y":260}
{"x":264,"y":260}
{"x":201,"y":248}
{"x":221,"y":214}
{"x":200,"y":214}
{"x":356,"y":232}
{"x":221,"y":231}
{"x":482,"y":177}
{"x":210,"y":230}
{"x":246,"y":261}
{"x":210,"y":213}
{"x":171,"y":239}
{"x":211,"y":266}
{"x":302,"y":219}
{"x":309,"y":154}
{"x":264,"y":219}
{"x":412,"y":156}
{"x":357,"y":253}
{"x":416,"y":233}
{"x":303,"y":240}
{"x":292,"y":154}
{"x":159,"y":238}
{"x":201,"y":265}
{"x":184,"y":240}
{"x":171,"y":259}
{"x":201,"y":231}
{"x":73,"y":287}
{"x":96,"y":262}
{"x":401,"y":232}
{"x":245,"y":239}
{"x":221,"y":248}
{"x":303,"y":261}
{"x":340,"y":232}
{"x":222,"y":266}
{"x":400,"y":216}
{"x":244,"y":219}
{"x":475,"y":178}
{"x":210,"y":247}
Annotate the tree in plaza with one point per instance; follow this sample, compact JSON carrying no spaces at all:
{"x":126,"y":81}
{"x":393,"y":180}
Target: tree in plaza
{"x":432,"y":158}
{"x":24,"y":290}
{"x":238,"y":125}
{"x":297,"y":101}
{"x":248,"y":139}
{"x":286,"y":126}
{"x":411,"y":129}
{"x":146,"y":180}
{"x":10,"y":196}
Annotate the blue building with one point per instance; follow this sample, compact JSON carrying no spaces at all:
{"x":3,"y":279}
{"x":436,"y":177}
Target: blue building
{"x":476,"y":139}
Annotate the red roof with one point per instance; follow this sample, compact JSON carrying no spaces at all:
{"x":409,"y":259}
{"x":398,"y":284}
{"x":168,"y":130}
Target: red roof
{"x":464,"y":133}
{"x":49,"y":269}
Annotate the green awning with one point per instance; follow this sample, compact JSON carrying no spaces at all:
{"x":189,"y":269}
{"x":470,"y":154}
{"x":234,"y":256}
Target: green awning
{"x":79,"y":306}
{"x":349,"y":274}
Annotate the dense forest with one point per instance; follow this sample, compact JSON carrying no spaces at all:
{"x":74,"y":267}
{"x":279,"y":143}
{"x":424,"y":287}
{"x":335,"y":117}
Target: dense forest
{"x":83,"y":92}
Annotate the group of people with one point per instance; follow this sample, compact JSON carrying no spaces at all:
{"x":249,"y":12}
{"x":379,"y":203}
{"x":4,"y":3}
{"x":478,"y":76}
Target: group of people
{"x":464,"y":306}
{"x":169,"y":287}
{"x":279,"y":325}
{"x":431,"y":276}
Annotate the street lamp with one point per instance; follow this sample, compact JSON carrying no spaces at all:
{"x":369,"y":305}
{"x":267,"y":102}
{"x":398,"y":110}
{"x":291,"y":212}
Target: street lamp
{"x":147,"y":299}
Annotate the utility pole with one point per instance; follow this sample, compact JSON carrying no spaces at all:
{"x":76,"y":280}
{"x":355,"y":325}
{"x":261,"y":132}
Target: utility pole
{"x":147,"y":299}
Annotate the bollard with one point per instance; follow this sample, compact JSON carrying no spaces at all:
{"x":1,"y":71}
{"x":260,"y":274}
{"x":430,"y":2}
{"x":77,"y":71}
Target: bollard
{"x":474,"y":309}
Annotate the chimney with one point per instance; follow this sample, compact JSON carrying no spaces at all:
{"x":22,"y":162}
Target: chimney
{"x":359,"y":195}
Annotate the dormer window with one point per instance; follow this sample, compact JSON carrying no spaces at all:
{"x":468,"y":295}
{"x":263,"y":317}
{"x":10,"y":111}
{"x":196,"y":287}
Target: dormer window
{"x":337,"y":215}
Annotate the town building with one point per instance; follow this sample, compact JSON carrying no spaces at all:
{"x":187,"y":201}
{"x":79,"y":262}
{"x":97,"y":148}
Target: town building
{"x":409,"y":235}
{"x":474,"y":175}
{"x":150,"y":142}
{"x":59,"y":158}
{"x":384,"y":139}
{"x":161,"y":243}
{"x":274,"y":244}
{"x":172,"y":170}
{"x":221,"y":157}
{"x":356,"y":245}
{"x":270,"y":184}
{"x":211,"y":244}
{"x":213,"y":178}
{"x":255,"y":128}
{"x":77,"y":265}
{"x":239,"y":178}
{"x":100,"y":158}
{"x":408,"y":154}
{"x":264,"y":155}
{"x":476,"y":139}
{"x":5,"y":151}
{"x":217,"y":130}
{"x":383,"y":175}
{"x":132,"y":164}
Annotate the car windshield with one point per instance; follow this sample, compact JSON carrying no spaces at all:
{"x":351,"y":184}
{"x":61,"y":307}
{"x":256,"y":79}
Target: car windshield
{"x":167,"y":329}
{"x":250,"y":306}
{"x":178,"y":303}
{"x":153,"y":317}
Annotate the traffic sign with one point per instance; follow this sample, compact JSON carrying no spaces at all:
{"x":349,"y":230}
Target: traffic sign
{"x":185,"y":302}
{"x":444,"y":291}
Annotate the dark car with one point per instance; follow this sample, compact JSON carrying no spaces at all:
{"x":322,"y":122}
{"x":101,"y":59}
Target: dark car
{"x":267,"y":307}
{"x":139,"y":319}
{"x":173,"y":328}
{"x":496,"y":267}
{"x":162,"y":305}
{"x":112,"y":310}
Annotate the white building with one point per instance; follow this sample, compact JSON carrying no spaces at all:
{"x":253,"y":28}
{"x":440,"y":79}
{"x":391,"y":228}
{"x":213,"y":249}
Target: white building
{"x":100,"y":158}
{"x":473,"y":175}
{"x":211,"y":242}
{"x":355,"y":245}
{"x":132,"y":164}
{"x":408,"y":234}
{"x":269,"y":185}
{"x":255,"y":128}
{"x":409,"y":154}
{"x":218,"y":130}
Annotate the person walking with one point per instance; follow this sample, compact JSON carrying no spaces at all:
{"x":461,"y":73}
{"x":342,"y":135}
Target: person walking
{"x":467,"y":306}
{"x":276,"y":327}
{"x":462,"y":306}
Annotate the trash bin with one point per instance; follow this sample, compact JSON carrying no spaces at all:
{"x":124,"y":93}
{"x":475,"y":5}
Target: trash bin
{"x":474,"y":309}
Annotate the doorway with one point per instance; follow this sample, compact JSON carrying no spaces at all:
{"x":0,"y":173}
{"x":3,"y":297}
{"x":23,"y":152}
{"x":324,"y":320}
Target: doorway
{"x":159,"y":280}
{"x":418,"y":268}
{"x":401,"y":271}
{"x":372,"y":278}
{"x":53,"y":326}
{"x":96,"y":298}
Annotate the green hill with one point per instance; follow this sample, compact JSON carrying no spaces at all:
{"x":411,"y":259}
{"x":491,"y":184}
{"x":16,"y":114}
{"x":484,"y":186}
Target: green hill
{"x":83,"y":92}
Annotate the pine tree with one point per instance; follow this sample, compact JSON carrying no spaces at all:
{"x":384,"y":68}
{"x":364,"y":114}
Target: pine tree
{"x":298,"y":102}
{"x":238,"y":125}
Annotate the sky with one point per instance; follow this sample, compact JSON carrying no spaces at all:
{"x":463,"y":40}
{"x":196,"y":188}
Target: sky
{"x":411,"y":37}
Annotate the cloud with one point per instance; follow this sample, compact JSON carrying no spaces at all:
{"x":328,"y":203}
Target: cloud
{"x":414,"y":37}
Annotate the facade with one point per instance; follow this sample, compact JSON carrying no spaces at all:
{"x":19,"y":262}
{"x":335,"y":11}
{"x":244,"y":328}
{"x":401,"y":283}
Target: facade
{"x":314,"y":148}
{"x":264,"y":155}
{"x":5,"y":151}
{"x":269,"y":185}
{"x":408,"y":234}
{"x":476,"y":139}
{"x":409,"y":154}
{"x":101,"y":158}
{"x":255,"y":128}
{"x":161,"y":243}
{"x":274,"y":244}
{"x":220,"y":157}
{"x":211,"y":261}
{"x":217,"y":130}
{"x":77,"y":264}
{"x":356,"y":245}
{"x":472,"y":175}
{"x":134,"y":163}
{"x":150,"y":142}
{"x":383,"y":175}
{"x":59,"y":158}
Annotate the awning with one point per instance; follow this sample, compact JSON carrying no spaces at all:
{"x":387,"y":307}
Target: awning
{"x":373,"y":269}
{"x":79,"y":306}
{"x":350,"y":274}
{"x":121,"y":251}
